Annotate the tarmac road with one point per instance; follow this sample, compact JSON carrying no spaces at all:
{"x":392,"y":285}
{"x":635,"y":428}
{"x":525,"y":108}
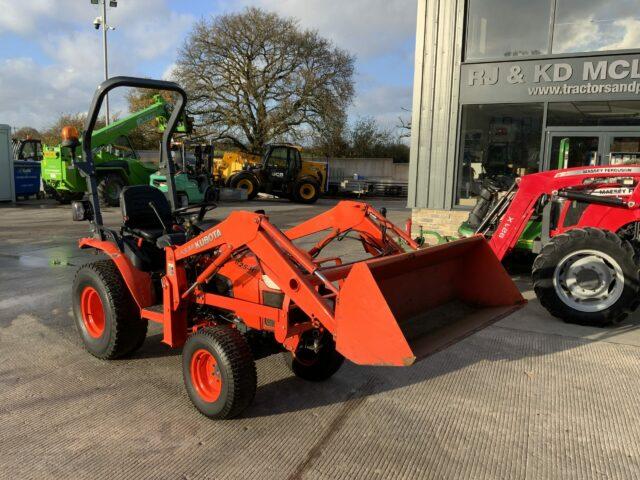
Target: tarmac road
{"x":528,"y":397}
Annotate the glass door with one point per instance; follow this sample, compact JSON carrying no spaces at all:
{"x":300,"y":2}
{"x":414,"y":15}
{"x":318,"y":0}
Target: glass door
{"x":573,"y":148}
{"x":623,"y":148}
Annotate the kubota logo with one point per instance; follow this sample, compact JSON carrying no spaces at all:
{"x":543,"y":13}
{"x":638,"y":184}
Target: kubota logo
{"x":208,"y":238}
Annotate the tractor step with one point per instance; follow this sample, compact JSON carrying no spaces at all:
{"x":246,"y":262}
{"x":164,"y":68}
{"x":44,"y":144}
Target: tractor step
{"x":155,"y":313}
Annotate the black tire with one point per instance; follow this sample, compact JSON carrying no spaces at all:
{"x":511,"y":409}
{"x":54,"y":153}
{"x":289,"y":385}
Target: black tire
{"x":123,"y":331}
{"x":65,"y":198}
{"x":109,"y":188}
{"x":306,"y":191}
{"x":234,"y":368}
{"x":619,"y":297}
{"x":246,"y":181}
{"x":315,"y":367}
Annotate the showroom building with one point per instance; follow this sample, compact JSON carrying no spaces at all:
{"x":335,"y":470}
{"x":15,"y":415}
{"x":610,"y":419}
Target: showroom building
{"x":508,"y":87}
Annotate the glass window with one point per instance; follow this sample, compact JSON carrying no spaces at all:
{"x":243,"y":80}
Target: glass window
{"x":507,"y":28}
{"x":498,"y":143}
{"x":570,"y":114}
{"x":278,"y":157}
{"x":596,"y":25}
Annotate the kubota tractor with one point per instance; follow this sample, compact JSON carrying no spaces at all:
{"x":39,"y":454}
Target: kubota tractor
{"x":229,"y":291}
{"x":588,"y":223}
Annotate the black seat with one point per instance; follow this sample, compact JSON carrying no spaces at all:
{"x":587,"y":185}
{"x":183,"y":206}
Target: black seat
{"x":138,"y":217}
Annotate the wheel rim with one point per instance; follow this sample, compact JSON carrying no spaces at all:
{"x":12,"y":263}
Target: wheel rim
{"x":205,"y":375}
{"x":307,"y":191}
{"x":246,"y":184}
{"x":588,"y":281}
{"x":92,"y":312}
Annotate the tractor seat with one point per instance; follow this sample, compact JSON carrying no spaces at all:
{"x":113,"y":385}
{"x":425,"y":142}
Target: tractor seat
{"x":139,"y":218}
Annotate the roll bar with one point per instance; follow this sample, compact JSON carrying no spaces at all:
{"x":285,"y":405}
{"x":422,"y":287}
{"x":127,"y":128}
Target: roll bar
{"x":87,"y":167}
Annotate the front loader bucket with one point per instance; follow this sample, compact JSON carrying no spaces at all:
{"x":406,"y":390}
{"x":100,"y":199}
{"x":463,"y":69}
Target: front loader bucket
{"x":399,"y":309}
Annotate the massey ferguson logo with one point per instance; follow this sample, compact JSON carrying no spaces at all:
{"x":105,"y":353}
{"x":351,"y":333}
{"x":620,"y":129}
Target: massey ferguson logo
{"x":598,"y":171}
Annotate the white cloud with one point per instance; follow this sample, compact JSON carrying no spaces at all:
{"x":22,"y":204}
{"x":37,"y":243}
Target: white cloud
{"x":35,"y":93}
{"x":365,"y":27}
{"x":385,"y":103}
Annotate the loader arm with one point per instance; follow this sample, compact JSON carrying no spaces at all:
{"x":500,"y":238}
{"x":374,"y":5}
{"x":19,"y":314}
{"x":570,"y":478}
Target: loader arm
{"x":374,"y":229}
{"x":530,"y":188}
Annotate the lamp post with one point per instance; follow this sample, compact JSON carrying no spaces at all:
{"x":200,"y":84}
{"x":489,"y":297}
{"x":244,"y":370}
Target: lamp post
{"x":97,"y":23}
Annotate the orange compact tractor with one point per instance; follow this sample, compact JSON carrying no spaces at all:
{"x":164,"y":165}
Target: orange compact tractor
{"x":229,"y":291}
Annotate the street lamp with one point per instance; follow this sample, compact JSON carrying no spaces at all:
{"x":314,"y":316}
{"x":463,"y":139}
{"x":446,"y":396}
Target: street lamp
{"x":101,"y":21}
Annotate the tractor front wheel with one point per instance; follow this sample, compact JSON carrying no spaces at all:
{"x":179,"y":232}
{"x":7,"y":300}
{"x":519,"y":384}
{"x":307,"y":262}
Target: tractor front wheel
{"x":315,"y":365}
{"x":219,"y":372}
{"x":588,"y":277}
{"x":109,"y":188}
{"x":106,"y":315}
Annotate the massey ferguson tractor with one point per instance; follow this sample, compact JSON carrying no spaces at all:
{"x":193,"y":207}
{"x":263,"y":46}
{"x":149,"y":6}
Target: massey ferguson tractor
{"x":232,"y":290}
{"x":588,"y":218}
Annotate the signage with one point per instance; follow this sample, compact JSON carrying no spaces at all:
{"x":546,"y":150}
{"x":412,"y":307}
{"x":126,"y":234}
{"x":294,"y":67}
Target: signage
{"x":613,"y":77}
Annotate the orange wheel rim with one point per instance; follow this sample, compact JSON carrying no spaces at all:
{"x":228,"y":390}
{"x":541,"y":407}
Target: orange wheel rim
{"x":246,"y":185}
{"x":92,"y":312}
{"x":205,"y":375}
{"x":307,"y":191}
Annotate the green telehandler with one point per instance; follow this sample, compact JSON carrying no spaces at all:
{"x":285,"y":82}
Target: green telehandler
{"x":116,"y":162}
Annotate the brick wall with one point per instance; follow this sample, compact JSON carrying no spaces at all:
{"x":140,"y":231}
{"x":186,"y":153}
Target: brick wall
{"x":445,"y":222}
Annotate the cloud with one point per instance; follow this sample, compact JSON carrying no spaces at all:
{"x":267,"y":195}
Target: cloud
{"x":34,"y":92}
{"x":365,"y":27}
{"x":385,"y":103}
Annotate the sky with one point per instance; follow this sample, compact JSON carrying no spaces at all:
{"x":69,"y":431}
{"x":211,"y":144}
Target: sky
{"x":51,"y":55}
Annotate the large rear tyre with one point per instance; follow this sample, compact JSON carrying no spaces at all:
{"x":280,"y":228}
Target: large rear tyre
{"x":109,"y":188}
{"x":306,"y":191}
{"x":588,"y":277}
{"x":219,"y":372}
{"x":246,"y":181}
{"x":315,"y":366}
{"x":106,"y":315}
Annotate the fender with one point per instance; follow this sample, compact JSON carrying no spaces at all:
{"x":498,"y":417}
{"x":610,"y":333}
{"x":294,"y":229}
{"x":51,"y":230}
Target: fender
{"x":139,"y":283}
{"x":113,"y":166}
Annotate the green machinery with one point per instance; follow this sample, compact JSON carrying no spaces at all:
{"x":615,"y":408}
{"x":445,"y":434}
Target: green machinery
{"x":193,"y":180}
{"x":489,"y":196}
{"x":116,"y":161}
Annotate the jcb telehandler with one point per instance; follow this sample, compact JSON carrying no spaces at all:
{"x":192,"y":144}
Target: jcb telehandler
{"x":588,"y":223}
{"x":281,"y":172}
{"x":228,"y":291}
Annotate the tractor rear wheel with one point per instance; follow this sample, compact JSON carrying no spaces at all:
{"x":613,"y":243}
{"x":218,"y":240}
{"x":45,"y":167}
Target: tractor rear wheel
{"x":109,"y":188}
{"x":306,"y":191}
{"x":588,"y":277}
{"x":219,"y":372}
{"x":106,"y":315}
{"x":245,"y":181}
{"x":315,"y":366}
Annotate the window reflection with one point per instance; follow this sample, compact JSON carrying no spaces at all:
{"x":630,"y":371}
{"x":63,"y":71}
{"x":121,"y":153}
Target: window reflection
{"x":499,"y":143}
{"x":507,"y":28}
{"x":596,"y":25}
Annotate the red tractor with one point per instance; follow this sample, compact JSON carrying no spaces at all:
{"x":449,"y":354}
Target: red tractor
{"x":586,"y":270}
{"x":233,"y":290}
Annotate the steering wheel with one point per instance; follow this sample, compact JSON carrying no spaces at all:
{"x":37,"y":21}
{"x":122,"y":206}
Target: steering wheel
{"x":200,"y":208}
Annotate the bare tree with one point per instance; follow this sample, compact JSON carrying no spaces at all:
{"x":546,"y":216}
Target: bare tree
{"x":52,"y":134}
{"x":255,"y":77}
{"x":26,"y":132}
